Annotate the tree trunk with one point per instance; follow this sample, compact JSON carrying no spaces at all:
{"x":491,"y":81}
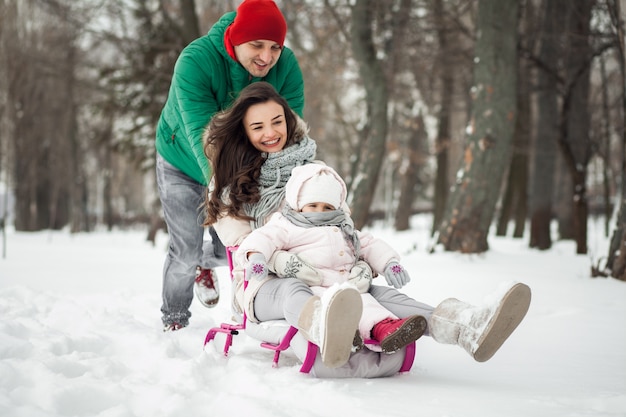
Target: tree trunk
{"x":373,"y":77}
{"x":546,"y":134}
{"x":189,"y":28}
{"x":563,"y":197}
{"x":488,"y":152}
{"x":616,"y":259}
{"x":618,"y":233}
{"x":408,"y":179}
{"x":514,"y":203}
{"x":574,"y":135}
{"x":442,"y":141}
{"x":616,"y":263}
{"x":605,"y":153}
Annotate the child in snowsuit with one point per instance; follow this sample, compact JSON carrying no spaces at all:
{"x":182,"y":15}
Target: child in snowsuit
{"x":316,"y":225}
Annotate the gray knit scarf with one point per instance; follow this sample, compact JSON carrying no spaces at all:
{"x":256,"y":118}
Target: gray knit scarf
{"x":326,"y":218}
{"x":275,"y":172}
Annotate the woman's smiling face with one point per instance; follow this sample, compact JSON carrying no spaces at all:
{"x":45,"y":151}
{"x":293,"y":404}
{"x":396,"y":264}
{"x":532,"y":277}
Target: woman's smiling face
{"x":266,"y":126}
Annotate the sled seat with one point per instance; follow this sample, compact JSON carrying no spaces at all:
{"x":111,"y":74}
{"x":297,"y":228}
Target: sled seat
{"x":277,"y":335}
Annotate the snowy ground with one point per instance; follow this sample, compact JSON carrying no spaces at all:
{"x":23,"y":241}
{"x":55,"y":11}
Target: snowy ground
{"x":80,"y":335}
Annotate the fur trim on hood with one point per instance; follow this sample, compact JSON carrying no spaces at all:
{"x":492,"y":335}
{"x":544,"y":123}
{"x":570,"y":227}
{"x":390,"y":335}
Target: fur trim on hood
{"x":300,"y":174}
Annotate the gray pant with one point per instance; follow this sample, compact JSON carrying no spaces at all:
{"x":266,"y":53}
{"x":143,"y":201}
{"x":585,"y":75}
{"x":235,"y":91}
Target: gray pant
{"x":181,"y":200}
{"x":283,"y":298}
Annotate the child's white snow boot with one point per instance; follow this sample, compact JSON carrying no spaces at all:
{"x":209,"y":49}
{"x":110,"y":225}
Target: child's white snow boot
{"x":330,"y":322}
{"x":481,"y":331}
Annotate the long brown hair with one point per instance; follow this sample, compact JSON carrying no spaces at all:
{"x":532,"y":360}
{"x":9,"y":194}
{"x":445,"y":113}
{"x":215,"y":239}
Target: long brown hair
{"x":235,"y":163}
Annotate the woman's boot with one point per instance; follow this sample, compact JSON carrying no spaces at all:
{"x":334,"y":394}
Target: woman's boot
{"x":480,"y":330}
{"x":330,"y":322}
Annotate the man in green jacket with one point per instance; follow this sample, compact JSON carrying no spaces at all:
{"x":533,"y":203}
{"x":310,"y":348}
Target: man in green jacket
{"x":241,"y":48}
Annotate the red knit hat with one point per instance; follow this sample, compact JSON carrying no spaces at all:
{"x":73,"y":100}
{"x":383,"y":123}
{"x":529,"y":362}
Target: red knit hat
{"x":256,"y":20}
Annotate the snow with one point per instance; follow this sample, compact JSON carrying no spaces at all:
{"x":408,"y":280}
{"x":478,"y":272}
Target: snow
{"x":80,"y":335}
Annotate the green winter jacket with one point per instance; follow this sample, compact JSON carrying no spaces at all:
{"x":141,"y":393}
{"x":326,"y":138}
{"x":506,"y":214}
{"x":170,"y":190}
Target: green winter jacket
{"x":206,"y":80}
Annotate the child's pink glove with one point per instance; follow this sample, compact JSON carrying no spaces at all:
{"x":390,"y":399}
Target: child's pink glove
{"x":256,"y":267}
{"x":396,"y":275}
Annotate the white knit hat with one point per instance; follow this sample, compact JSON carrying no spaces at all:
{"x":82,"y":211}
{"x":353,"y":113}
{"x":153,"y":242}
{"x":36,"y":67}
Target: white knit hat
{"x":323,"y":187}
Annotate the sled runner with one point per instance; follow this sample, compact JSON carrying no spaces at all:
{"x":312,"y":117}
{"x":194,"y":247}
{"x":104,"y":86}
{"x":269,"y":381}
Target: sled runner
{"x":278,"y":335}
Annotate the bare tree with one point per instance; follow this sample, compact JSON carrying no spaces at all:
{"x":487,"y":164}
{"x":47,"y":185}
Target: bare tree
{"x":604,"y":145}
{"x":373,"y":76}
{"x":41,"y":86}
{"x":6,"y":15}
{"x":616,"y":258}
{"x":319,"y":36}
{"x":515,"y":202}
{"x":574,"y":137}
{"x":546,"y":132}
{"x":409,"y":174}
{"x":443,"y":139}
{"x":487,"y":154}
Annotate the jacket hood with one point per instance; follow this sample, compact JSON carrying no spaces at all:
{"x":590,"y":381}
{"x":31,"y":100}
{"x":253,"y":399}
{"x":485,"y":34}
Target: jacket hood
{"x":302,"y":173}
{"x":216,"y":34}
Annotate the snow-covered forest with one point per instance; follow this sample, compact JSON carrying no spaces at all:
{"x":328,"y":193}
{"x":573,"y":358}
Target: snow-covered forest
{"x":82,"y":84}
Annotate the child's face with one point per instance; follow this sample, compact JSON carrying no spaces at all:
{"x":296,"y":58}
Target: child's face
{"x":316,"y":208}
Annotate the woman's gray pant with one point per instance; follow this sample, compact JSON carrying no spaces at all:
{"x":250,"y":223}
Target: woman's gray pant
{"x":283,"y":298}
